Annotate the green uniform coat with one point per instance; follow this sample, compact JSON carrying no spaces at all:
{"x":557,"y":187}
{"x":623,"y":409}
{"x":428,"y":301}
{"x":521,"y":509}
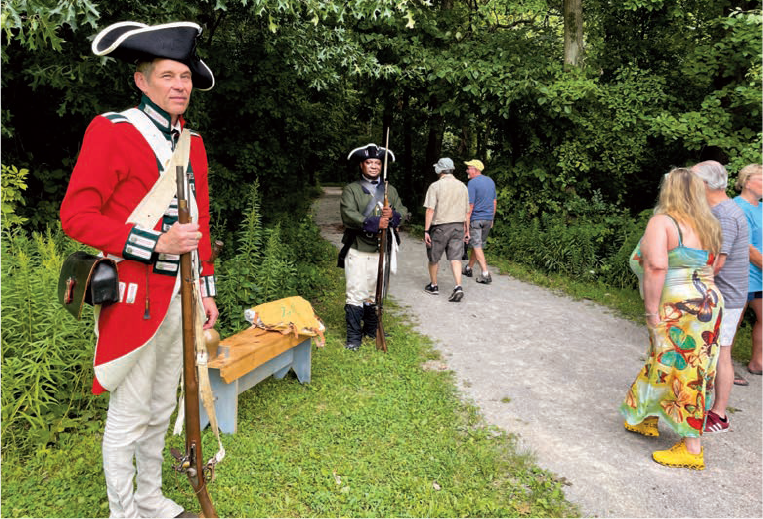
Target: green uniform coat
{"x":354,"y":201}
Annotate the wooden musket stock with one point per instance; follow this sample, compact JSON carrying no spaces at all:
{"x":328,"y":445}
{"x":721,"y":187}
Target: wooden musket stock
{"x":192,"y":463}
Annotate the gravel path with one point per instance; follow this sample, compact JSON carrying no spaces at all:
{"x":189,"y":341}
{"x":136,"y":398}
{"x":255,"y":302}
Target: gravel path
{"x":554,"y":371}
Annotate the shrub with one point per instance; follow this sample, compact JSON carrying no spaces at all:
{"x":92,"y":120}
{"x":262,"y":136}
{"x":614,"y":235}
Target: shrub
{"x":263,"y":269}
{"x":585,"y":239}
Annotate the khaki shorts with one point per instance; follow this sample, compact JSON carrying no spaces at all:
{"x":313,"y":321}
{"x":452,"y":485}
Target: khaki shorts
{"x":448,"y":238}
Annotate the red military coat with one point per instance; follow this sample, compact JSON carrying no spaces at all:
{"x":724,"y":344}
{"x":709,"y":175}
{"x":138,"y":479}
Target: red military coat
{"x":115,"y":169}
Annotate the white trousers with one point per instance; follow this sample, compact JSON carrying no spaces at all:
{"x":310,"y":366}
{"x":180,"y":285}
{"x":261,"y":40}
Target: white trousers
{"x":361,"y":270}
{"x":137,"y":423}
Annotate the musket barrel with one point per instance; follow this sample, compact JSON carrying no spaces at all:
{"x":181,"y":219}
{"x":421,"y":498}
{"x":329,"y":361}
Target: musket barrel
{"x":381,"y":341}
{"x":193,"y":455}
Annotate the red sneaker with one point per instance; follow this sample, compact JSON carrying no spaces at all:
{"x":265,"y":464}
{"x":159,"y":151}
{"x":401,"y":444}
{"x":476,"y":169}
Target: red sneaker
{"x":716,"y":424}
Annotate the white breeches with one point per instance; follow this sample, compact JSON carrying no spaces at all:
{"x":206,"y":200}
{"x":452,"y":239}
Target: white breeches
{"x":361,"y":270}
{"x":137,"y":423}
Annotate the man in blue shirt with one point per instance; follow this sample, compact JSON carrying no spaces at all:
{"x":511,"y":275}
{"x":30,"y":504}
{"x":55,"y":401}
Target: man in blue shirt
{"x":482,"y":206}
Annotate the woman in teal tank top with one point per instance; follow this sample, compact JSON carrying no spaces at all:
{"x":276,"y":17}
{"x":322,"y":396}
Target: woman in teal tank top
{"x":673,"y":262}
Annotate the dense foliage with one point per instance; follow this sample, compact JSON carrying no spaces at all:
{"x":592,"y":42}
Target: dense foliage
{"x":300,"y":83}
{"x":46,"y":354}
{"x":576,"y":152}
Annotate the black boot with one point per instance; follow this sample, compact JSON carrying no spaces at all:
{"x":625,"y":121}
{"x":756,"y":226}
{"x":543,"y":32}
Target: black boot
{"x":370,"y":321}
{"x":353,"y":315}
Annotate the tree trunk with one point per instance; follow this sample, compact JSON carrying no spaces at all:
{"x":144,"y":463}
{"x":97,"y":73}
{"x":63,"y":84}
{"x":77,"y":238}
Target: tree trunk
{"x":436,"y":128}
{"x":573,"y":32}
{"x":407,"y":146}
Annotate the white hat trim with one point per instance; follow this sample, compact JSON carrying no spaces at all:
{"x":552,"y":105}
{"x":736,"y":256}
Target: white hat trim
{"x":145,"y":28}
{"x":366,"y":146}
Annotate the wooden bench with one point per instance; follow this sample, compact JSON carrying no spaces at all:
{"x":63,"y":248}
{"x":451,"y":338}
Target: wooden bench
{"x":246,"y":359}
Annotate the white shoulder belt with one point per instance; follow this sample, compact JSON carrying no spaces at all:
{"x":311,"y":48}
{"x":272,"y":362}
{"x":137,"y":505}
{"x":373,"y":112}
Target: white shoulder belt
{"x":158,"y":199}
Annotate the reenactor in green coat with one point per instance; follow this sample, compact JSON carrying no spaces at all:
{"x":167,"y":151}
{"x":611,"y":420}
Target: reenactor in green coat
{"x":364,"y":216}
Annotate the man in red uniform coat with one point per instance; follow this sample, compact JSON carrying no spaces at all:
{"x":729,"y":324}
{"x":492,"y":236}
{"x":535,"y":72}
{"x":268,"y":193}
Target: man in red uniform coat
{"x":138,"y":354}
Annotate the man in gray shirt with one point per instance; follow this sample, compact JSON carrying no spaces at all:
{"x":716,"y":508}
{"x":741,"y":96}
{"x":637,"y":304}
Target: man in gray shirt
{"x":731,"y":277}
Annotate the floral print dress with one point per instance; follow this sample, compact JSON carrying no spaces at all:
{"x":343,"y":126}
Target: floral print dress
{"x":676,"y":383}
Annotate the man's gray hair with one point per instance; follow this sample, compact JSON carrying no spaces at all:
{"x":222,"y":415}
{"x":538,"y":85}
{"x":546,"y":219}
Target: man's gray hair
{"x":713,"y":173}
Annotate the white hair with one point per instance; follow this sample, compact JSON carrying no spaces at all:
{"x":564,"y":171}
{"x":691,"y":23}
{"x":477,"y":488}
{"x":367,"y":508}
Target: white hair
{"x":713,"y":173}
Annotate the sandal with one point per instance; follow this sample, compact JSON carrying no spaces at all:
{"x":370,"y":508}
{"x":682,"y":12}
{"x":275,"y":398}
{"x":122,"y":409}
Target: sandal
{"x":739,"y":380}
{"x":755,"y":371}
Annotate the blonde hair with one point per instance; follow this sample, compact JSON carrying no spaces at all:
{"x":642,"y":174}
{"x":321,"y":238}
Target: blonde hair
{"x":682,"y":196}
{"x":746,"y":172}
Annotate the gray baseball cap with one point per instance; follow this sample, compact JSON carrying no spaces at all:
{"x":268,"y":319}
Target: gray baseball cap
{"x":444,"y":164}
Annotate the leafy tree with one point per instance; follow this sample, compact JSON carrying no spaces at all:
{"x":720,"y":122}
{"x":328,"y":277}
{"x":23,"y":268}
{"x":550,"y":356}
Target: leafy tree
{"x":13,"y":186}
{"x":301,"y":82}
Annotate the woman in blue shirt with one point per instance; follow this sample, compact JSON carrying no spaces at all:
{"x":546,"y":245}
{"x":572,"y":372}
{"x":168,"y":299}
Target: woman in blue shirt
{"x":750,"y":182}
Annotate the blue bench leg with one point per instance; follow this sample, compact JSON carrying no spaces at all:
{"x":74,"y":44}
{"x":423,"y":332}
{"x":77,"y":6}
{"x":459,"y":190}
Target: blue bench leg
{"x":284,"y":358}
{"x":226,"y":403}
{"x":298,"y":358}
{"x":302,"y":361}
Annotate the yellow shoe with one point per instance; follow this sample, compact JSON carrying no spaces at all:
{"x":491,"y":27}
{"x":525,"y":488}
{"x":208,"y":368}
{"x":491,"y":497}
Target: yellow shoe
{"x":678,"y":456}
{"x":648,"y":427}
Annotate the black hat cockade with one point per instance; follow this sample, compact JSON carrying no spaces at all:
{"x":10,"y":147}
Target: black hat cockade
{"x":369,"y":151}
{"x":133,"y":42}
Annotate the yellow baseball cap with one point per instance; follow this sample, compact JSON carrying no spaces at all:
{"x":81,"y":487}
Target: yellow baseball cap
{"x":476,"y":163}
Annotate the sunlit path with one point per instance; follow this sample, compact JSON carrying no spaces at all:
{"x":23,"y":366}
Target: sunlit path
{"x":554,"y":371}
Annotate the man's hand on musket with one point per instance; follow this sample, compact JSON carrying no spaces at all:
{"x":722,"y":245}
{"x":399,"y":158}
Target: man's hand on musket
{"x":385,"y":217}
{"x":210,"y":309}
{"x":181,"y":238}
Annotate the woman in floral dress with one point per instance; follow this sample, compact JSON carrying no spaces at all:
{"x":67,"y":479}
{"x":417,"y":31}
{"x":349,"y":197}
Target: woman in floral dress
{"x":683,"y":310}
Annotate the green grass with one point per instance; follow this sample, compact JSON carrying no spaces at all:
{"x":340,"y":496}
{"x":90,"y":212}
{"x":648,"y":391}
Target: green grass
{"x":625,"y":303}
{"x":373,"y":435}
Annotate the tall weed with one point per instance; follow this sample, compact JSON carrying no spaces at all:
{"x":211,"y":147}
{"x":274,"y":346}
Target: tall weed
{"x":46,"y":354}
{"x":262,"y":269}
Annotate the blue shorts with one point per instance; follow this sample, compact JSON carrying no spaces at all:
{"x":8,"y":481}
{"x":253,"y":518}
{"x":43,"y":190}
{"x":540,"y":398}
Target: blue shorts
{"x":754,"y":295}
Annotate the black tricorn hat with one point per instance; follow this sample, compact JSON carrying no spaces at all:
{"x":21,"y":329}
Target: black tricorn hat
{"x":369,"y":151}
{"x":133,"y":41}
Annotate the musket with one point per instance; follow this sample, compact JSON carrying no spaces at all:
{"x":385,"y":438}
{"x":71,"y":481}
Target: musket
{"x":381,"y":341}
{"x":192,"y":461}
